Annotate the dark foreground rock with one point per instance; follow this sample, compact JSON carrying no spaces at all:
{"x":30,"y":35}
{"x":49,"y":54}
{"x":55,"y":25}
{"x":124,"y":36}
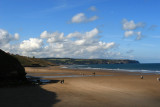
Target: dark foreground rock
{"x":11,"y":70}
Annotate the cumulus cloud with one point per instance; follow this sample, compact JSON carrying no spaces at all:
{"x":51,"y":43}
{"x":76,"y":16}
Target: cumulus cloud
{"x":56,"y":44}
{"x":5,"y":37}
{"x":6,"y":41}
{"x":92,"y":8}
{"x":78,"y":18}
{"x":76,"y":44}
{"x":130,"y":28}
{"x":81,"y":18}
{"x":52,"y":37}
{"x":132,"y":33}
{"x":131,"y":25}
{"x":33,"y":44}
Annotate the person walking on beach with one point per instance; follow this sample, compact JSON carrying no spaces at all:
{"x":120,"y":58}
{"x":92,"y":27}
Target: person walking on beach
{"x":94,"y":73}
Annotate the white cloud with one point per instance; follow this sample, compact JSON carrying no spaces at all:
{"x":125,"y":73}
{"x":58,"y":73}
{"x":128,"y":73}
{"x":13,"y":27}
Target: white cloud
{"x":128,"y":33}
{"x":107,"y":45}
{"x":94,"y":32}
{"x":84,"y":46}
{"x":131,"y":25}
{"x":131,"y":33}
{"x":52,"y":37}
{"x":5,"y":37}
{"x":74,"y":35}
{"x":33,"y":44}
{"x":44,"y":34}
{"x":139,"y":35}
{"x":79,"y":42}
{"x":130,"y":28}
{"x":93,"y":18}
{"x":81,"y":18}
{"x":6,"y":41}
{"x":93,"y":8}
{"x":55,"y":44}
{"x":16,"y":36}
{"x":78,"y":18}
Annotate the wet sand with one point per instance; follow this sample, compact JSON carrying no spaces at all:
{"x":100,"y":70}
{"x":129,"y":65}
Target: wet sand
{"x":120,"y":89}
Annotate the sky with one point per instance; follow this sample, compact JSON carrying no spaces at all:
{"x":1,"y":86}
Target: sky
{"x":105,"y":29}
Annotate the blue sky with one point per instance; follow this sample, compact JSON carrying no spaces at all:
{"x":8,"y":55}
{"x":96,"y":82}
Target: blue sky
{"x":114,"y":29}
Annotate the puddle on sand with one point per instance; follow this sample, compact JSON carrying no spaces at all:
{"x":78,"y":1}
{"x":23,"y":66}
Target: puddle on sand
{"x":45,"y":73}
{"x":39,"y":81}
{"x":70,"y":76}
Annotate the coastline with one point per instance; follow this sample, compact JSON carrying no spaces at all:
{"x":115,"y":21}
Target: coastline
{"x":141,"y":68}
{"x":117,"y":90}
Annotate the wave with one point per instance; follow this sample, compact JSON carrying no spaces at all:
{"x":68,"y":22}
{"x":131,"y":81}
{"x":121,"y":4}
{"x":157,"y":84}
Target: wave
{"x":98,"y":67}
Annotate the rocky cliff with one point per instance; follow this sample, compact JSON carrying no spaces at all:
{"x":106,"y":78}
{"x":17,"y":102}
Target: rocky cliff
{"x":11,"y":69}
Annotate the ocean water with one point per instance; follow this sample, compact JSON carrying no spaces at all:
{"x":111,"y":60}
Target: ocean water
{"x":143,"y":68}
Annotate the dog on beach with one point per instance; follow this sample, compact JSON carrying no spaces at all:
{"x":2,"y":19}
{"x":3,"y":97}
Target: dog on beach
{"x":141,"y":77}
{"x":158,"y":79}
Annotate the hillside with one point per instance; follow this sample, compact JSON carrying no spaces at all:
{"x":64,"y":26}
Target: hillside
{"x":89,"y":61}
{"x":32,"y":62}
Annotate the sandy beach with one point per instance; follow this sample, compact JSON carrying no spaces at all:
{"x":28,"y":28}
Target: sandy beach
{"x":105,"y":89}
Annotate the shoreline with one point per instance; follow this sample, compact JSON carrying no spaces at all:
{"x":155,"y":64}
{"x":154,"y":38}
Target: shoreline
{"x":152,"y":71}
{"x":61,"y":72}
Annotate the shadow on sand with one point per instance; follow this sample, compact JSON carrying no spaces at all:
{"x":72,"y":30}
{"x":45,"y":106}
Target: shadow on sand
{"x":27,"y":96}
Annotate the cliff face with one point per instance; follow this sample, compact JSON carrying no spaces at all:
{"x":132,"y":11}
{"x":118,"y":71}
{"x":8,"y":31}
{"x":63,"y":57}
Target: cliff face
{"x":10,"y":68}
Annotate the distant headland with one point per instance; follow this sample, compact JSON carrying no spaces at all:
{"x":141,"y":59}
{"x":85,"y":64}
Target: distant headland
{"x":90,"y":61}
{"x":42,"y":62}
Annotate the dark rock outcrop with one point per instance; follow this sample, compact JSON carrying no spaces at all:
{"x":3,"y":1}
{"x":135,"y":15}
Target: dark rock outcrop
{"x":11,"y":69}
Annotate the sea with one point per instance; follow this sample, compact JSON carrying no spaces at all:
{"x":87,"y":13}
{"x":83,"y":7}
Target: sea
{"x":142,"y":67}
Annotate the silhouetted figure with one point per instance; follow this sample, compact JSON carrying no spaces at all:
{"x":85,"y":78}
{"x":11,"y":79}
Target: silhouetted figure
{"x":38,"y":82}
{"x":62,"y":81}
{"x":141,"y":77}
{"x":94,"y":73}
